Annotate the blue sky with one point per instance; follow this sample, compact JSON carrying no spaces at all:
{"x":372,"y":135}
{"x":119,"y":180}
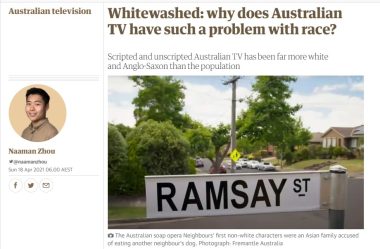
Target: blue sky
{"x":327,"y":100}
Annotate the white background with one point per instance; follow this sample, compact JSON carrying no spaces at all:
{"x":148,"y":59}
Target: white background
{"x":65,"y":53}
{"x":72,"y":216}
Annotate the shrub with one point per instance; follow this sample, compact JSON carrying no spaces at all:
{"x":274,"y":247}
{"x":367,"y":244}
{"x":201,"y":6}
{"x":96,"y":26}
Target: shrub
{"x":339,"y":152}
{"x":302,"y":154}
{"x":123,"y":177}
{"x":159,"y":148}
{"x":314,"y":151}
{"x":264,"y":154}
{"x":191,"y":168}
{"x":349,"y":154}
{"x":289,"y":158}
{"x":324,"y":154}
{"x":359,"y":153}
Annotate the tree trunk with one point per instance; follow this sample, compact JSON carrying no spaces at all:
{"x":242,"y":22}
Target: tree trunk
{"x":219,"y":159}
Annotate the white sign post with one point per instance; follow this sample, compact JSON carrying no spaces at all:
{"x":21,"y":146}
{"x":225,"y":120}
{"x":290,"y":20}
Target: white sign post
{"x":229,"y":194}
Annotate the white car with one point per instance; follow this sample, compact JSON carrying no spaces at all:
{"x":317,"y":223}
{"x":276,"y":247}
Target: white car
{"x":253,"y":164}
{"x":238,"y":165}
{"x":243,"y":162}
{"x":265,"y":166}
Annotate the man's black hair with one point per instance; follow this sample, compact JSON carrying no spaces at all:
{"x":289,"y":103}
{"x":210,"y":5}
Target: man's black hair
{"x":34,"y":90}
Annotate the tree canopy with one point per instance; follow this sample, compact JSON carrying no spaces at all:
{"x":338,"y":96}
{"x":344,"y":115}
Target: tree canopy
{"x":200,"y":141}
{"x":159,"y":148}
{"x":123,"y":177}
{"x":165,"y":140}
{"x":124,"y":130}
{"x":220,"y":137}
{"x":270,"y":118}
{"x":160,"y":99}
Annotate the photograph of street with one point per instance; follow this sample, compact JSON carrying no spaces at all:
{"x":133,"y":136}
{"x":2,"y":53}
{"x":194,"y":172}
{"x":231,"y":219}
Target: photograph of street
{"x":235,"y":152}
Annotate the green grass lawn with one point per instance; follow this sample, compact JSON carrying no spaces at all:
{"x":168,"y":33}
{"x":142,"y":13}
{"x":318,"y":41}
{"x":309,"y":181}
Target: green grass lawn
{"x":126,"y":212}
{"x":353,"y":166}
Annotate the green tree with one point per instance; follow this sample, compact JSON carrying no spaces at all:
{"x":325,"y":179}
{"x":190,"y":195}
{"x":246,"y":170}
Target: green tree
{"x":220,"y":137}
{"x":300,"y":137}
{"x":189,"y":123}
{"x":160,"y":99}
{"x":270,"y":118}
{"x":159,"y":147}
{"x":123,"y":177}
{"x":200,"y":141}
{"x":124,"y":130}
{"x":245,"y":145}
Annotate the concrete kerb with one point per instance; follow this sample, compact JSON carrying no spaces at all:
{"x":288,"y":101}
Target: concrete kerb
{"x":357,"y":175}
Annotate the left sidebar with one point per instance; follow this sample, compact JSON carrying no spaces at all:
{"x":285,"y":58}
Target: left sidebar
{"x":51,"y":148}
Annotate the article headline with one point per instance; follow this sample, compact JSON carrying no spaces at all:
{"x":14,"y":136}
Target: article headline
{"x":240,"y":21}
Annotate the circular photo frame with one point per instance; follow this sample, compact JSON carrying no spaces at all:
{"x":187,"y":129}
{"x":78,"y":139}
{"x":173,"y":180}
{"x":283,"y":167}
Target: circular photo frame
{"x":28,"y":119}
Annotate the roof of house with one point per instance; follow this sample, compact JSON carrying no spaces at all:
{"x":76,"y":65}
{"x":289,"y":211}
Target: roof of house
{"x":316,"y":137}
{"x":358,"y":131}
{"x":347,"y":131}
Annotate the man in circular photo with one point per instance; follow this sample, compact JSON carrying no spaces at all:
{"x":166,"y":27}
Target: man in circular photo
{"x":37,"y":104}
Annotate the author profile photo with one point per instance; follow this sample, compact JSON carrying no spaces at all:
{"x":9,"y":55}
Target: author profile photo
{"x":36,"y":109}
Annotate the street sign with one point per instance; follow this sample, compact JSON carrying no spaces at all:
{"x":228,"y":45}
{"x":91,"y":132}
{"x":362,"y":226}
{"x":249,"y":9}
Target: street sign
{"x":207,"y":195}
{"x":235,"y":155}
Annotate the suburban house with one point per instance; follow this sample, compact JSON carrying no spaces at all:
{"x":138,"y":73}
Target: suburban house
{"x":347,"y":137}
{"x":316,"y":138}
